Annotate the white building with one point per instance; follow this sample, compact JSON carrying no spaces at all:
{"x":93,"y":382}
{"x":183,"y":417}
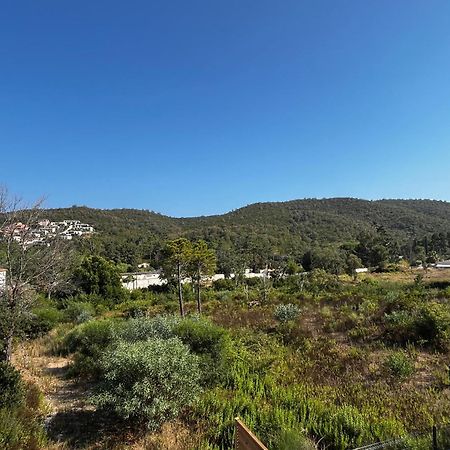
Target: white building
{"x":141,"y":280}
{"x":443,"y":265}
{"x":2,"y":279}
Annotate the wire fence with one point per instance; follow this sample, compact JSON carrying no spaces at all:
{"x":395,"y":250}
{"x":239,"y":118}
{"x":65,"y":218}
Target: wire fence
{"x":435,"y":438}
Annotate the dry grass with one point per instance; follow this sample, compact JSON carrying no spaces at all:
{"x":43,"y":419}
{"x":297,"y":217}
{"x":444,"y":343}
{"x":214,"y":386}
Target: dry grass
{"x":172,"y":436}
{"x":408,"y":276}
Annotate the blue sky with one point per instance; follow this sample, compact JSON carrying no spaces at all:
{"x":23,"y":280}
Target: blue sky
{"x":198,"y":107}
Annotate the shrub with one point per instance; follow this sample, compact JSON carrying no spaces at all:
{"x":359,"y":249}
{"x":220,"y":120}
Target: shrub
{"x":293,"y":440}
{"x":433,"y":324}
{"x":40,"y":321}
{"x":224,"y":285}
{"x":399,"y":364}
{"x":285,"y":313}
{"x":11,"y":386}
{"x":79,"y":312}
{"x":142,"y":329}
{"x":151,"y":381}
{"x":210,"y":342}
{"x":88,"y":340}
{"x":135,"y":308}
{"x":427,"y":324}
{"x":21,"y":424}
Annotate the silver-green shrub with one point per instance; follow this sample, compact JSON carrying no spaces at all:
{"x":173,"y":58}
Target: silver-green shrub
{"x":150,"y":381}
{"x":142,"y":329}
{"x":287,"y":312}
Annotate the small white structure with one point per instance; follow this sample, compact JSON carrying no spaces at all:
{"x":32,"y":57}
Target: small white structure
{"x":443,"y":265}
{"x":362,"y":270}
{"x":141,"y":280}
{"x":2,"y":279}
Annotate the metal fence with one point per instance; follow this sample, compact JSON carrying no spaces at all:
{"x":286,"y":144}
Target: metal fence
{"x":436,"y":438}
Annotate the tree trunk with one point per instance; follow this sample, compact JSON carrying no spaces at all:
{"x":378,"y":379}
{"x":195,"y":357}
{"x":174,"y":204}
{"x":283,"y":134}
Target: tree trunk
{"x":199,"y":303}
{"x":180,"y":291}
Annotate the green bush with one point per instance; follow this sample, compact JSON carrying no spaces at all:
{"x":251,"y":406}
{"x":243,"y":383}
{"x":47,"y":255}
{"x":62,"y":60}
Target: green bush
{"x":88,"y":341}
{"x":399,"y":364}
{"x":11,"y":386}
{"x":21,"y":424}
{"x":427,"y":324}
{"x":135,"y":308}
{"x":210,"y":342}
{"x":79,"y":312}
{"x":151,"y":381}
{"x":432,"y":324}
{"x":292,"y":439}
{"x":224,"y":285}
{"x":40,"y":321}
{"x":90,"y":338}
{"x":286,"y":313}
{"x":142,"y":329}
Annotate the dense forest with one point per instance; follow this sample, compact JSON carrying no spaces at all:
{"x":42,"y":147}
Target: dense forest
{"x":265,"y":233}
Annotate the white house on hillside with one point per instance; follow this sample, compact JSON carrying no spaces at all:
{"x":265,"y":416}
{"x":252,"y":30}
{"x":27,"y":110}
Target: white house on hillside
{"x":2,"y":279}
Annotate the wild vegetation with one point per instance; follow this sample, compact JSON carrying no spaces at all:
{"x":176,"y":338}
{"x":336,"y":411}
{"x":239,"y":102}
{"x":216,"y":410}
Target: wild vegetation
{"x":328,"y":362}
{"x":316,"y":356}
{"x":273,"y":233}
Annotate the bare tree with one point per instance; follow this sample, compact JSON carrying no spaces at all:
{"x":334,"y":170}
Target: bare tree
{"x":27,"y":260}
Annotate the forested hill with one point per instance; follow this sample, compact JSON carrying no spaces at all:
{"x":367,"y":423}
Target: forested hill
{"x":279,"y":228}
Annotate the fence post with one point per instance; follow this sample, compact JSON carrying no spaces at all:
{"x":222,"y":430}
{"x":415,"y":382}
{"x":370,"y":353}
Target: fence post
{"x":435,"y":444}
{"x":245,"y":439}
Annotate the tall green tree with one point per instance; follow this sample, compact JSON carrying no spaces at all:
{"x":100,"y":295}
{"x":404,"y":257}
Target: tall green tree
{"x":202,"y":263}
{"x":97,"y":275}
{"x":176,"y":264}
{"x":352,"y":262}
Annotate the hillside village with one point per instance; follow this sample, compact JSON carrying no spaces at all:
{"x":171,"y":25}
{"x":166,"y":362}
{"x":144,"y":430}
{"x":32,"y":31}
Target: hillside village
{"x":45,"y":230}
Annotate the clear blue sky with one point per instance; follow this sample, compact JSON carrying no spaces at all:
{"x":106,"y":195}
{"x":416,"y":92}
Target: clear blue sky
{"x":198,"y":107}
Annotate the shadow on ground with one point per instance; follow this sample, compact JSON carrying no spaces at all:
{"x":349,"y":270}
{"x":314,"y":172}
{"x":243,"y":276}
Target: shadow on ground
{"x":81,"y":428}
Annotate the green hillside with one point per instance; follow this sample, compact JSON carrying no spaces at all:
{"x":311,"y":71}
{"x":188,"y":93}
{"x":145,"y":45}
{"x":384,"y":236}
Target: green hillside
{"x":327,"y":220}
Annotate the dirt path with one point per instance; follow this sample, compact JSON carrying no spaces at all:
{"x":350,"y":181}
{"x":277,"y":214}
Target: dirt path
{"x":71,"y":418}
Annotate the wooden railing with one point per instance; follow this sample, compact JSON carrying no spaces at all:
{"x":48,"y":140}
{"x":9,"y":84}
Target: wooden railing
{"x":245,"y":439}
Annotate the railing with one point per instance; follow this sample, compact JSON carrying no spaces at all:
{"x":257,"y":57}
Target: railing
{"x":436,"y":438}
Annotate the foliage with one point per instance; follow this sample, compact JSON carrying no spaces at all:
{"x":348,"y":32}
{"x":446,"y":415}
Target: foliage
{"x":21,"y":425}
{"x":151,"y":380}
{"x":88,"y":341}
{"x":40,"y":321}
{"x":97,"y":275}
{"x":399,"y":364}
{"x":259,"y":233}
{"x":210,"y":342}
{"x":11,"y":386}
{"x":142,"y":329}
{"x":427,"y":324}
{"x":224,"y":285}
{"x":287,"y":312}
{"x":79,"y":312}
